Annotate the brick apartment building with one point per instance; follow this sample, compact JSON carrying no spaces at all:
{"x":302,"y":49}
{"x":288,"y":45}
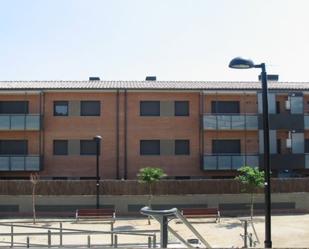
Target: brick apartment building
{"x":190,"y":129}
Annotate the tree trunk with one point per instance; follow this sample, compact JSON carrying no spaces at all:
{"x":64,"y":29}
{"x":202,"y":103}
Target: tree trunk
{"x":33,"y":203}
{"x":251,"y":206}
{"x":149,"y":200}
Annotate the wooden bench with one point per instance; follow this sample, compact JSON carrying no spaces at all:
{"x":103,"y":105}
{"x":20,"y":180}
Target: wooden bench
{"x":201,"y":212}
{"x":102,"y":213}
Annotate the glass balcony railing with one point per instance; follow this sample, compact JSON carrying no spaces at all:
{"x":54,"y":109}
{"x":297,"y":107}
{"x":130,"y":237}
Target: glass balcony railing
{"x":229,"y":161}
{"x":230,"y":122}
{"x":20,"y":163}
{"x":20,"y":122}
{"x":306,"y":121}
{"x":307,"y":161}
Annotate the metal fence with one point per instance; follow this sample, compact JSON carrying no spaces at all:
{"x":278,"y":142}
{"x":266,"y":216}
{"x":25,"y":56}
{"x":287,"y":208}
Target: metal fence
{"x":54,"y":237}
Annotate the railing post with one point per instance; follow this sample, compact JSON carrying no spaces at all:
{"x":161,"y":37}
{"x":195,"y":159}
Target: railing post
{"x":12,"y":235}
{"x":149,"y":241}
{"x":88,"y":241}
{"x":112,"y":234}
{"x":28,"y":242}
{"x":48,"y":238}
{"x":154,"y":241}
{"x":60,"y":234}
{"x":116,"y":241}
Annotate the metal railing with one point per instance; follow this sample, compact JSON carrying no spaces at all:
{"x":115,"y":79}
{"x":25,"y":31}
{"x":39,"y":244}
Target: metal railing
{"x":55,"y":236}
{"x":230,"y":121}
{"x":229,"y":161}
{"x":20,"y":122}
{"x":20,"y":163}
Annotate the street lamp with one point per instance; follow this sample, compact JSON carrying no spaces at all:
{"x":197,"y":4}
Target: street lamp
{"x":240,"y":63}
{"x":97,"y":140}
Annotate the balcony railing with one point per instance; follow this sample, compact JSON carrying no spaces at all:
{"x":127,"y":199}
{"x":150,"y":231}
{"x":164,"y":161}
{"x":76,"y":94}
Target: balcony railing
{"x":229,"y":161}
{"x":20,"y":163}
{"x":306,"y":121}
{"x":20,"y":122}
{"x":230,"y":122}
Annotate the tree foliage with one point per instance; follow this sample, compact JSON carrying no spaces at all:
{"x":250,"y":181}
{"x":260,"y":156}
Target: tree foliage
{"x":251,"y":180}
{"x":150,"y":175}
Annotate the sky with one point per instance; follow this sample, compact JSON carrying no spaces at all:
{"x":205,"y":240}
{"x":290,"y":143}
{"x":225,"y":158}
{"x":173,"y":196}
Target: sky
{"x":172,"y":39}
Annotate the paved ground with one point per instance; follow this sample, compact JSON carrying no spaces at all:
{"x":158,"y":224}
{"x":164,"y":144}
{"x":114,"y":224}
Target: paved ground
{"x":287,"y":231}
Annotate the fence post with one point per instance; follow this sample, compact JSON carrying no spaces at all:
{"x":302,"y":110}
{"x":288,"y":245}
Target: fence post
{"x":12,"y":235}
{"x":60,"y":234}
{"x":28,"y":242}
{"x":88,"y":241}
{"x":154,"y":242}
{"x":149,"y":241}
{"x":112,"y":234}
{"x":116,"y":241}
{"x":49,"y":238}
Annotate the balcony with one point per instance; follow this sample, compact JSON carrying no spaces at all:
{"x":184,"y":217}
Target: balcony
{"x":229,"y":161}
{"x":286,"y":161}
{"x":230,"y":122}
{"x":20,"y":163}
{"x":287,"y":121}
{"x":19,"y":122}
{"x":306,"y":121}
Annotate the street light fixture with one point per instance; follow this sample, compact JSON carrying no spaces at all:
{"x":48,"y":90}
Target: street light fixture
{"x":240,"y":63}
{"x":97,"y":140}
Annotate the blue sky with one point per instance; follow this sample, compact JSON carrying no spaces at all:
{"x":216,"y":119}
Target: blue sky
{"x":172,"y":39}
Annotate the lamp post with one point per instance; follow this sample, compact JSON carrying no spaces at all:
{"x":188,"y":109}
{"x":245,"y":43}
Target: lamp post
{"x":97,"y":140}
{"x":240,"y":63}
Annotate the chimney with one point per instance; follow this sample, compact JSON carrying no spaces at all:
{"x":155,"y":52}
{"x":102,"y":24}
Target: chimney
{"x":151,"y":78}
{"x":94,"y":78}
{"x":271,"y":77}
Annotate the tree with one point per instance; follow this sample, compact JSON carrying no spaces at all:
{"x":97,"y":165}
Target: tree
{"x":34,"y":179}
{"x":150,"y":175}
{"x":251,"y":179}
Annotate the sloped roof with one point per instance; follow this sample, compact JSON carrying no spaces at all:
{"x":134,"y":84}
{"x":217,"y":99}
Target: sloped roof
{"x":180,"y":85}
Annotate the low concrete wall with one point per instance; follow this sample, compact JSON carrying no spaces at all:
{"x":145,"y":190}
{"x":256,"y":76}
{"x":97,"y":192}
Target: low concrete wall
{"x":124,"y":205}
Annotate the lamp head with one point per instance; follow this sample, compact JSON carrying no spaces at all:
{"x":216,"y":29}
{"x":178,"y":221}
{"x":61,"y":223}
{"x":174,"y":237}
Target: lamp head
{"x":97,"y":138}
{"x":241,"y":63}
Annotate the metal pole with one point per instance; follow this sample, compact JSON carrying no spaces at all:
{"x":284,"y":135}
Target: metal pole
{"x":12,"y":235}
{"x":267,"y":188}
{"x":28,"y":242}
{"x":116,"y":241}
{"x":97,"y":171}
{"x":164,"y":233}
{"x":149,"y":241}
{"x":48,"y":238}
{"x":88,"y":241}
{"x":154,"y":241}
{"x":245,"y":234}
{"x":112,"y":234}
{"x":60,"y":234}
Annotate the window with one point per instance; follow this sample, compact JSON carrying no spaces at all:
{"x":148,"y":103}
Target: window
{"x":88,"y":147}
{"x":150,"y":108}
{"x":278,"y":146}
{"x":90,"y":108}
{"x":182,"y":147}
{"x":14,"y":107}
{"x":150,"y":147}
{"x":13,"y":147}
{"x":60,"y":147}
{"x":226,"y":146}
{"x":61,"y":108}
{"x":181,"y":108}
{"x":225,"y":107}
{"x":277,"y":107}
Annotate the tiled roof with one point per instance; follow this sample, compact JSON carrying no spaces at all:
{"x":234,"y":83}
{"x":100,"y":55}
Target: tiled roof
{"x":180,"y":85}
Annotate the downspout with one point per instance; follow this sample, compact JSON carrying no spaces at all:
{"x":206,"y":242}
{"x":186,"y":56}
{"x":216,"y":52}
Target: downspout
{"x":117,"y":135}
{"x":125,"y":135}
